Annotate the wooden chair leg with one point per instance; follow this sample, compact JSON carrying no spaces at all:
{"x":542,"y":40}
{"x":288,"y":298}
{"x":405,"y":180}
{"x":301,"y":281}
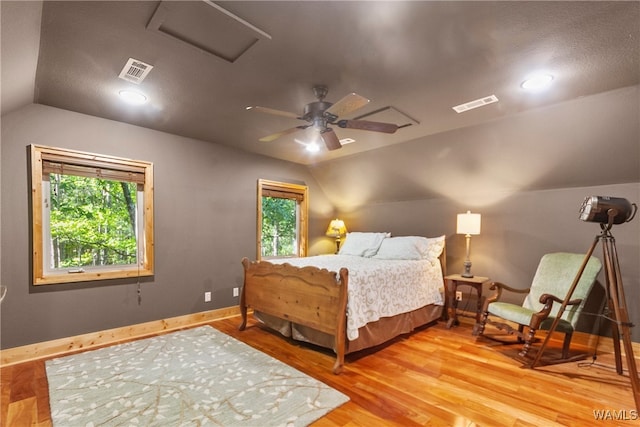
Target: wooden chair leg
{"x":478,"y":328}
{"x":521,"y":333}
{"x":527,"y":342}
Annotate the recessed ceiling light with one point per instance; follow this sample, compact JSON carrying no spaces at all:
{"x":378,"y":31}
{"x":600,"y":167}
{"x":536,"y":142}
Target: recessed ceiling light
{"x":132,"y":96}
{"x":537,"y":82}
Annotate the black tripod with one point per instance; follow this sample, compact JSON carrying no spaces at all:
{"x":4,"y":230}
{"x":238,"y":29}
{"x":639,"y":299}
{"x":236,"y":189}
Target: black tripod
{"x":615,"y":300}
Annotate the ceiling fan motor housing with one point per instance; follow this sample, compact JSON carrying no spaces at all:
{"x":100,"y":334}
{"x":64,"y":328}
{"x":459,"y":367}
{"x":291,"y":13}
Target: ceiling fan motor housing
{"x":314,"y":111}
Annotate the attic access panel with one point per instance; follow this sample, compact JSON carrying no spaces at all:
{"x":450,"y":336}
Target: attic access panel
{"x":207,"y":27}
{"x":389,"y":115}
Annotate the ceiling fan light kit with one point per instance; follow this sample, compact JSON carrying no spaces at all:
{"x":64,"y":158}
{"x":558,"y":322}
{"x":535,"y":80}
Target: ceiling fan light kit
{"x":320,"y":114}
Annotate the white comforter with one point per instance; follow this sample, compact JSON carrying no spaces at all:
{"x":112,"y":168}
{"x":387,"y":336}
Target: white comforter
{"x":380,"y":288}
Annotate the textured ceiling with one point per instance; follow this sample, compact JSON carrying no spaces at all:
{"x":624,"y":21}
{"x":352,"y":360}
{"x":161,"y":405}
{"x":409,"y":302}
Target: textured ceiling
{"x":414,"y":60}
{"x":421,"y":58}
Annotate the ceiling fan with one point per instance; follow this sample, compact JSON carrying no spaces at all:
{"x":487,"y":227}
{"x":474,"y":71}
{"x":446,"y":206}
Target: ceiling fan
{"x":320,"y":114}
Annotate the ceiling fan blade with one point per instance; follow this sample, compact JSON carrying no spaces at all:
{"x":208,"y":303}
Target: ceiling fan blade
{"x":274,"y":111}
{"x":330,"y":139}
{"x":367,"y":125}
{"x":275,"y":136}
{"x":346,"y":105}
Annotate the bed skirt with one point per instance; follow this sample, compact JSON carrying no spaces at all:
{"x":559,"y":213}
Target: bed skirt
{"x":370,"y":335}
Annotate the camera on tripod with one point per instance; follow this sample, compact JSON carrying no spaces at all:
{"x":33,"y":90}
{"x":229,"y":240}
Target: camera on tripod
{"x":604,"y":209}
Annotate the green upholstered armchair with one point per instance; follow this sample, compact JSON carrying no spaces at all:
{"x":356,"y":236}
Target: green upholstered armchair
{"x":553,"y":279}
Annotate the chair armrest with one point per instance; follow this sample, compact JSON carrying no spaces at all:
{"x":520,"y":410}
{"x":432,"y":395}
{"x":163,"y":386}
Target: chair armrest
{"x":498,"y":287}
{"x":544,"y":298}
{"x":547,"y":300}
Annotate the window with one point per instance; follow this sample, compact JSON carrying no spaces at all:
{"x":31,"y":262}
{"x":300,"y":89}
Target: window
{"x":282,"y":219}
{"x":92,"y":216}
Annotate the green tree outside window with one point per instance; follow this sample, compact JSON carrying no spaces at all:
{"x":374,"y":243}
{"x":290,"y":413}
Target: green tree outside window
{"x":92,"y":222}
{"x":282,"y":219}
{"x":278,"y":227}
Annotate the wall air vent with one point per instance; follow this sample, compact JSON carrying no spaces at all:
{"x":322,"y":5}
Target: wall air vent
{"x":475,"y":104}
{"x":135,"y":71}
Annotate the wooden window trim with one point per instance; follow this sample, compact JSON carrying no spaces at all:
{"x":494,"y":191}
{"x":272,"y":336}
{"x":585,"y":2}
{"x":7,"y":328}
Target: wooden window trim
{"x":268,"y":188}
{"x":45,"y":160}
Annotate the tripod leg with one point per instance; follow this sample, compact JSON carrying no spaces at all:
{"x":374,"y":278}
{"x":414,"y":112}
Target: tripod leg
{"x":610,"y":278}
{"x":615,"y":334}
{"x":622,"y":316}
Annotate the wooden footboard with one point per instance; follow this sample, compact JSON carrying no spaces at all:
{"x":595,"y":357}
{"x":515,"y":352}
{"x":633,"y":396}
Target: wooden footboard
{"x":307,"y":296}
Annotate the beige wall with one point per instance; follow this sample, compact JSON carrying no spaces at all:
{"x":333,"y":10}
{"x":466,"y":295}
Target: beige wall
{"x":205,"y":198}
{"x":516,"y":231}
{"x":205,"y":222}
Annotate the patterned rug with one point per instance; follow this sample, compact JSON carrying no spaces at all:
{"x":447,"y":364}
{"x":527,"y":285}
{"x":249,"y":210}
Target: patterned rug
{"x":193,"y":377}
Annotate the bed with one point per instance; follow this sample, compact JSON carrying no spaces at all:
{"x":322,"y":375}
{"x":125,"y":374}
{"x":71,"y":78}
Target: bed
{"x":376,"y":288}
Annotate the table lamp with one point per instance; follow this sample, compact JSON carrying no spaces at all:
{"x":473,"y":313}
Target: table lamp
{"x":336,"y":229}
{"x":468,"y":224}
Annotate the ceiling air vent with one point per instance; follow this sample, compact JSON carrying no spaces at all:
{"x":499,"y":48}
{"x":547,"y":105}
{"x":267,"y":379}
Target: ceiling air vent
{"x":475,"y":104}
{"x":135,"y":71}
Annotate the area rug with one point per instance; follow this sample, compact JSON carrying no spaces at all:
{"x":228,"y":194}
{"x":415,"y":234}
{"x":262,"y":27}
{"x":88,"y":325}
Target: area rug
{"x":194,"y":377}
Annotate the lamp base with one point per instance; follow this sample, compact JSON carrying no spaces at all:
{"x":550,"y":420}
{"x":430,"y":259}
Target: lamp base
{"x":467,"y":269}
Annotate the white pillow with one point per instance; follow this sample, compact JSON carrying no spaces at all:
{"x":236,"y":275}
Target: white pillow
{"x":411,"y":248}
{"x":362,"y":244}
{"x":436,"y":246}
{"x":403,"y":247}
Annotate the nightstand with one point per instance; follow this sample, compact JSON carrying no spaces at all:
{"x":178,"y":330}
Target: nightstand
{"x":455,"y":280}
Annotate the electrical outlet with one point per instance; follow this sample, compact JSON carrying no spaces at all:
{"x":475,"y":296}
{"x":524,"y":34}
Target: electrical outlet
{"x":458,"y":296}
{"x":236,"y":292}
{"x":207,"y":297}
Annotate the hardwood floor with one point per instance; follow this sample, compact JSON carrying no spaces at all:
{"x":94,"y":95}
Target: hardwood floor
{"x":435,"y":376}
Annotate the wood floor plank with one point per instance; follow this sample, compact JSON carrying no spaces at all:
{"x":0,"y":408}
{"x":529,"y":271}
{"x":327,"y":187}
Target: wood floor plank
{"x":23,"y":412}
{"x":23,"y":376}
{"x":433,"y":377}
{"x":6,"y":380}
{"x":43,"y":414}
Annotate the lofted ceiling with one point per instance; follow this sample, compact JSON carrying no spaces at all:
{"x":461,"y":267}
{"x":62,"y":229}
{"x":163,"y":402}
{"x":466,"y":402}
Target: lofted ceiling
{"x":414,"y":60}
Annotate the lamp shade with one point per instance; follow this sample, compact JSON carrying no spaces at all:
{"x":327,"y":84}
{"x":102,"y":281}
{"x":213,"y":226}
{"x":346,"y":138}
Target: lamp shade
{"x":336,"y":228}
{"x":468,"y":223}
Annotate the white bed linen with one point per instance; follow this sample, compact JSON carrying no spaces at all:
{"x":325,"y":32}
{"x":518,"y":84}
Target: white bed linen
{"x":380,"y":288}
